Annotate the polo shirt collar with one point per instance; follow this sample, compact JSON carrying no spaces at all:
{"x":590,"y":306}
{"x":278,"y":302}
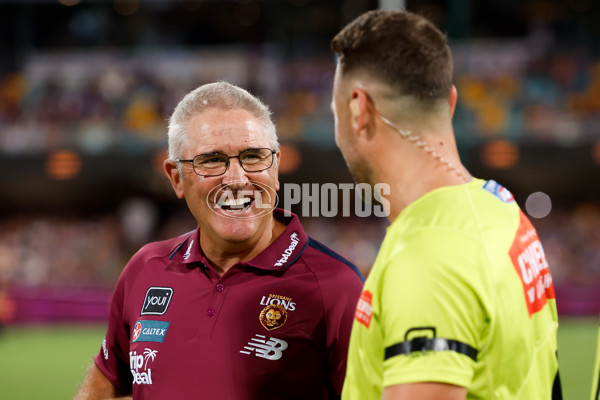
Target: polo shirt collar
{"x":283,"y":252}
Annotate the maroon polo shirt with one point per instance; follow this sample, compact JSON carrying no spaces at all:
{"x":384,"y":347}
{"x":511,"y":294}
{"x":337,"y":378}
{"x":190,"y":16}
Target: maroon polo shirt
{"x":275,"y":327}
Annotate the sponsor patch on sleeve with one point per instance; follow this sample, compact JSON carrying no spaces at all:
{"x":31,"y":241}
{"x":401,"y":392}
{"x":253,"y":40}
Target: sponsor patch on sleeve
{"x":531,"y":265}
{"x":364,"y":308}
{"x":499,"y":191}
{"x":149,"y":331}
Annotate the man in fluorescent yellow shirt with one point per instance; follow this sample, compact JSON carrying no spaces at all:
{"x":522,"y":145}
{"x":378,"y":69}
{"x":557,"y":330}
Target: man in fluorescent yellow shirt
{"x":460,"y":302}
{"x":595,"y":394}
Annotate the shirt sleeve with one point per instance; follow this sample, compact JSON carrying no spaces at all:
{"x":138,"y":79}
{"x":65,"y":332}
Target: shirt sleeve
{"x":432,"y":313}
{"x":340,"y":295}
{"x":113,"y":358}
{"x":595,"y":395}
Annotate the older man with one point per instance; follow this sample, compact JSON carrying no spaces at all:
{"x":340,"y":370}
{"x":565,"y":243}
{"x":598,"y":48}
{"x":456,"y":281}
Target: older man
{"x":247,"y":306}
{"x":460,"y":302}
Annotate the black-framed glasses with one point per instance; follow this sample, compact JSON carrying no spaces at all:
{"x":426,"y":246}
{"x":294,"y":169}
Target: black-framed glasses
{"x":215,"y":164}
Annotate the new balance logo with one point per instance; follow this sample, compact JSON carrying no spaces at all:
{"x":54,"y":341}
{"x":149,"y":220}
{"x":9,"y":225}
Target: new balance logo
{"x":271,"y":349}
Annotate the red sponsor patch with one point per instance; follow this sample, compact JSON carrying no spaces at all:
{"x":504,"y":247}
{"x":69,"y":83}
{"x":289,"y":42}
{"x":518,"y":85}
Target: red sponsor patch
{"x":364,"y":308}
{"x":136,"y":331}
{"x":530,"y":263}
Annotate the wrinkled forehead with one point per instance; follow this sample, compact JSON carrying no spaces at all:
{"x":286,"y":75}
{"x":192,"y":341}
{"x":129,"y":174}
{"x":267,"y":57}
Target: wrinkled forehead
{"x":222,"y":130}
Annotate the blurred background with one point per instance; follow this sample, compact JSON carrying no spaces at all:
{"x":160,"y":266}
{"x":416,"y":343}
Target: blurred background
{"x":86,"y":88}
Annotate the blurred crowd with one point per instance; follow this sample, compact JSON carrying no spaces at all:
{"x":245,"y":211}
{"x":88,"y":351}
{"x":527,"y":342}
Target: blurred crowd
{"x":70,"y":252}
{"x":113,"y":101}
{"x":530,"y":89}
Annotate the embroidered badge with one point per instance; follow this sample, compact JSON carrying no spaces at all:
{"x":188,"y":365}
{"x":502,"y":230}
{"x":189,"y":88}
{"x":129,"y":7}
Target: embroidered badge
{"x":273,"y":316}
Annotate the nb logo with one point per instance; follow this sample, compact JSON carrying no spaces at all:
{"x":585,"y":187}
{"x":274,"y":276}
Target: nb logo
{"x":271,"y":349}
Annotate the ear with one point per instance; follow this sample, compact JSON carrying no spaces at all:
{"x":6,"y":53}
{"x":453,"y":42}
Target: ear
{"x":278,"y":156}
{"x":359,"y":108}
{"x":453,"y":99}
{"x":170,"y":168}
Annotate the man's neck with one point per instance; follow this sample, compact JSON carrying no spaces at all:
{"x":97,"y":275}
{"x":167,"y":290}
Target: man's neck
{"x":416,"y":172}
{"x":224,"y":254}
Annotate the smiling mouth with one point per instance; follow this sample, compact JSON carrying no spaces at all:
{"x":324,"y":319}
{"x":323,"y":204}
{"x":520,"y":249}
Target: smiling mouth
{"x":230,"y":204}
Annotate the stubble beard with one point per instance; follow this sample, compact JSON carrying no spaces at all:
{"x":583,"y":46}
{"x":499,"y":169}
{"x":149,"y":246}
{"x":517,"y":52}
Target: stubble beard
{"x":360,"y":171}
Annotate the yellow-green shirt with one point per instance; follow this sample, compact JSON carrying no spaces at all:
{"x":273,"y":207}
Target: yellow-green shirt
{"x":460,"y":293}
{"x":595,"y":395}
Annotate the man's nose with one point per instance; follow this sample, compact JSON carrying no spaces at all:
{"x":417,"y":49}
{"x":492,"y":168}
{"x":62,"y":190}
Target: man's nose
{"x":235,"y":176}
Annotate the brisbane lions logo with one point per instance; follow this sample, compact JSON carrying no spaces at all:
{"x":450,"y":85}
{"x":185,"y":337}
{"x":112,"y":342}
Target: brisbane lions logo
{"x":273,"y":316}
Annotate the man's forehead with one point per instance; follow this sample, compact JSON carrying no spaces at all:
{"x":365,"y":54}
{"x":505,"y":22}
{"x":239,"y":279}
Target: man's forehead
{"x":223,"y":123}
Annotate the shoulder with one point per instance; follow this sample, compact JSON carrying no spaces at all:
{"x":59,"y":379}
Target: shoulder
{"x":159,"y":253}
{"x":323,"y":261}
{"x":432,"y":256}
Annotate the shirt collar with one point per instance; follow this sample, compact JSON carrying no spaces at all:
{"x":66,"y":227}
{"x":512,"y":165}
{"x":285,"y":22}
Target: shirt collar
{"x":283,"y":252}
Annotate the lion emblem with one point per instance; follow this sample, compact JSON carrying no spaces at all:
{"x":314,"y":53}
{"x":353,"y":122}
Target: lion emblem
{"x":273,"y":316}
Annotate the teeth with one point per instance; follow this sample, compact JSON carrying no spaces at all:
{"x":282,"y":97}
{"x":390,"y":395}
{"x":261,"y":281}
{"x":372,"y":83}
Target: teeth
{"x":231,"y":202}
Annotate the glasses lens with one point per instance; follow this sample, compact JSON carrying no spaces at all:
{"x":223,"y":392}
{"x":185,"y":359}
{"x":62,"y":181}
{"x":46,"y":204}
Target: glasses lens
{"x":210,"y":164}
{"x":256,"y":159}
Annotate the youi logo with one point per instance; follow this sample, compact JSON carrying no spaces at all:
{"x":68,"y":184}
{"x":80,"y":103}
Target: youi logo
{"x":157,"y":300}
{"x":242,"y":204}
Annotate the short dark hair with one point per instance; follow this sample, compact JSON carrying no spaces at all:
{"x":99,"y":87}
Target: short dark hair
{"x":402,"y":49}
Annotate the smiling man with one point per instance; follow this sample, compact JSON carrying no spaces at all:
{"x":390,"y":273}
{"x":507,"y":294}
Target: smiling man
{"x":246,"y":306}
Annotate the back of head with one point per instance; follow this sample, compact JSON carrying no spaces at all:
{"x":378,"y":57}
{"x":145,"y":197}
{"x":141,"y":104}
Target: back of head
{"x":403,"y":50}
{"x":221,"y":95}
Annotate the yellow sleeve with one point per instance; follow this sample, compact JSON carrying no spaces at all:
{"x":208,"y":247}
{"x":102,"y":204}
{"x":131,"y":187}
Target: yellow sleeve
{"x":431,"y":310}
{"x":595,"y":394}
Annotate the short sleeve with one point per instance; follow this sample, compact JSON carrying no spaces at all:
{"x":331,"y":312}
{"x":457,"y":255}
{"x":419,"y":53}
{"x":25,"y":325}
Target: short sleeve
{"x":432,"y":313}
{"x":340,"y":293}
{"x":113,"y":358}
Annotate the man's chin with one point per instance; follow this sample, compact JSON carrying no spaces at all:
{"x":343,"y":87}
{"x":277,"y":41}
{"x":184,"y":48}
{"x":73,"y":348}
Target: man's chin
{"x":237,"y":229}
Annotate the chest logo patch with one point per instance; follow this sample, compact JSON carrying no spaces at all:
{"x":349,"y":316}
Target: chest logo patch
{"x":157,"y":300}
{"x":150,"y":331}
{"x":273,"y":316}
{"x":142,"y":374}
{"x":271,"y":349}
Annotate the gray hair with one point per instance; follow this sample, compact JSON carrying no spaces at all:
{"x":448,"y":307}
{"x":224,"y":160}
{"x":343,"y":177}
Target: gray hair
{"x":220,"y":95}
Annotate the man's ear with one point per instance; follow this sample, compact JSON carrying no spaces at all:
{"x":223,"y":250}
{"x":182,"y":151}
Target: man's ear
{"x":172,"y":172}
{"x":360,"y":110}
{"x":278,"y":160}
{"x":453,"y":100}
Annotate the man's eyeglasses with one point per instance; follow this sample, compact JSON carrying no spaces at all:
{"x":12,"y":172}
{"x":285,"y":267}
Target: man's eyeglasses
{"x":215,"y":164}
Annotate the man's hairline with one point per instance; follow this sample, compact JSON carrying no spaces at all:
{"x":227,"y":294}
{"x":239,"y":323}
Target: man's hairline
{"x":386,"y":100}
{"x":185,"y":130}
{"x":185,"y":123}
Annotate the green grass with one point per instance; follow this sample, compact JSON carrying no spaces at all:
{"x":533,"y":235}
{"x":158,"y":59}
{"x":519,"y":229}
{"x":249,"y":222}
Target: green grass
{"x":576,"y":354}
{"x":49,"y":362}
{"x":46,"y":362}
